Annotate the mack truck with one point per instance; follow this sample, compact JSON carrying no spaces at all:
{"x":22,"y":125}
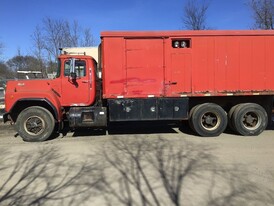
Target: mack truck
{"x":213,"y":79}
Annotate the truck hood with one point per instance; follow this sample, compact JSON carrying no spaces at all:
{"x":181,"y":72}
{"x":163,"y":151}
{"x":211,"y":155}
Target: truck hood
{"x":31,"y":89}
{"x":29,"y":85}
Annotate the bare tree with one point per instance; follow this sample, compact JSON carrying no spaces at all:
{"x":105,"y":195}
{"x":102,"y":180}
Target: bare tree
{"x":56,"y":33}
{"x":88,"y":38}
{"x":38,"y":48}
{"x":1,"y":49}
{"x":5,"y":72}
{"x":23,"y":63}
{"x":195,"y":15}
{"x":263,"y":13}
{"x":38,"y":43}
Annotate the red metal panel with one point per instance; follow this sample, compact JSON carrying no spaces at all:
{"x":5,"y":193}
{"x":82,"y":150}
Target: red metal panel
{"x":137,"y":64}
{"x":180,"y":73}
{"x":82,"y":85}
{"x":203,"y":64}
{"x":114,"y":74}
{"x":232,"y":63}
{"x":258,"y":64}
{"x":34,"y":89}
{"x":269,"y":61}
{"x":246,"y":65}
{"x":144,"y":67}
{"x":220,"y":63}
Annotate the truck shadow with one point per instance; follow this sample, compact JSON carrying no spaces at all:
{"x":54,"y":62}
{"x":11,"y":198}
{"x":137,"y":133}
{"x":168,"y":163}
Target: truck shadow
{"x":162,"y":127}
{"x":131,"y":128}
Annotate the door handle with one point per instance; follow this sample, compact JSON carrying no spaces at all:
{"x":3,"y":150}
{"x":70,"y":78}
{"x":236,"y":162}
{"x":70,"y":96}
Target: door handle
{"x":84,"y":81}
{"x":171,"y":83}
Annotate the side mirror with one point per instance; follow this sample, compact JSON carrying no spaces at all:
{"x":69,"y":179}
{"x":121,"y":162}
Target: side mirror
{"x":73,"y":76}
{"x":72,"y":69}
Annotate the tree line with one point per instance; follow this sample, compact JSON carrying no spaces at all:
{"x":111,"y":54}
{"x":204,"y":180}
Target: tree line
{"x":47,"y":38}
{"x":52,"y":34}
{"x":195,"y":14}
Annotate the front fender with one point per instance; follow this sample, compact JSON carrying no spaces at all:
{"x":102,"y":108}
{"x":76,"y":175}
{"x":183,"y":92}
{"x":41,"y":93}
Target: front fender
{"x":6,"y":117}
{"x":47,"y":100}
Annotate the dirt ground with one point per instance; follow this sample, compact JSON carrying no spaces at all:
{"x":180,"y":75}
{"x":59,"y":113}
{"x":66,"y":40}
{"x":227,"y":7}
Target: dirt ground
{"x":137,"y":165}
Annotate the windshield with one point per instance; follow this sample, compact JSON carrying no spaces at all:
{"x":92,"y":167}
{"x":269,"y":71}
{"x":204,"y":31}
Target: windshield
{"x":2,"y":94}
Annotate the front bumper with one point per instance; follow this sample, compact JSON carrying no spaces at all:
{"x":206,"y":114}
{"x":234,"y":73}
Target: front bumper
{"x":5,"y":117}
{"x":2,"y":109}
{"x":1,"y":114}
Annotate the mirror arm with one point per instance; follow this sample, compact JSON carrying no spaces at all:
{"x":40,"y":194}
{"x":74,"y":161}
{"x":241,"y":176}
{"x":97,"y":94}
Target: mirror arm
{"x":72,"y":72}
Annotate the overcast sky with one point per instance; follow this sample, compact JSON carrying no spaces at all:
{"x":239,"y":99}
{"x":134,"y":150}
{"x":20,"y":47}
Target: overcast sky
{"x":18,"y":18}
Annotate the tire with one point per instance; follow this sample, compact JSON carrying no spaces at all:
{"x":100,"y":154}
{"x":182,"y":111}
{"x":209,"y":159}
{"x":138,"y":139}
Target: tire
{"x":209,"y":120}
{"x":35,"y":124}
{"x":190,"y":122}
{"x":249,"y":119}
{"x":230,"y":115}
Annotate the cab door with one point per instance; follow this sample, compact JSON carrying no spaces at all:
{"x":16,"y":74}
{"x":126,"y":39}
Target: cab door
{"x":76,"y":92}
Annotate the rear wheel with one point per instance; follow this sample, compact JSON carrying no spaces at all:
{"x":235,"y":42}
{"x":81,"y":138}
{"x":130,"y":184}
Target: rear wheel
{"x":249,"y":119}
{"x":230,"y":115}
{"x":35,"y":124}
{"x":190,"y":122}
{"x":208,"y":119}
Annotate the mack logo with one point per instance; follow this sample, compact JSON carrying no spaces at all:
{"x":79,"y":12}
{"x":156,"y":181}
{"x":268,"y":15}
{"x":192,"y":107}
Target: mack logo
{"x":21,"y":84}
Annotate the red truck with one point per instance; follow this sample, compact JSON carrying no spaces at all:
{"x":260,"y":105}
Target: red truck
{"x":211,"y":78}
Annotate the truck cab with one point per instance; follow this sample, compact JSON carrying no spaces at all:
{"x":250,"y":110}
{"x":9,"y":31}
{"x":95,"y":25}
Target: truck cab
{"x":77,"y":80}
{"x":38,"y":107}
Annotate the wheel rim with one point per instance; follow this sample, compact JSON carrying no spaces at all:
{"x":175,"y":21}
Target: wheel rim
{"x":251,"y":120}
{"x":210,"y":121}
{"x":34,"y":125}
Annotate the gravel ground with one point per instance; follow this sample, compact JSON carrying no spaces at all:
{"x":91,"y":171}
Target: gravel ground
{"x":131,"y":165}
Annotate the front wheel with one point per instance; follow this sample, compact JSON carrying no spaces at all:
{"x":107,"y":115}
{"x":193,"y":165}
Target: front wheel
{"x":35,"y":124}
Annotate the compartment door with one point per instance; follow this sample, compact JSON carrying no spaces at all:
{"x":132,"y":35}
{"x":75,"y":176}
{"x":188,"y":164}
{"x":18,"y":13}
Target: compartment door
{"x":180,"y":82}
{"x":144,"y":67}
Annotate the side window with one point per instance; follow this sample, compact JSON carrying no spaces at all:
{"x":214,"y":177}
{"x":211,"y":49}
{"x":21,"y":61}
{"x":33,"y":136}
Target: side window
{"x":67,"y":68}
{"x":80,"y":68}
{"x":181,"y":43}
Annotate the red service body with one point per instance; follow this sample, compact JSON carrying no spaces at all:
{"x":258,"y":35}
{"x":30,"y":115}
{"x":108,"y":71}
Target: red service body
{"x":215,"y":63}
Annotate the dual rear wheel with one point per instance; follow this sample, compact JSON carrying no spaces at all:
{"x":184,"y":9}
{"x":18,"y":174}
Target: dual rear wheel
{"x":248,"y":119}
{"x":209,"y":119}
